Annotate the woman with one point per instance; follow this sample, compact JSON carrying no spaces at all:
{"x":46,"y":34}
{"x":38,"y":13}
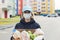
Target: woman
{"x":27,"y":22}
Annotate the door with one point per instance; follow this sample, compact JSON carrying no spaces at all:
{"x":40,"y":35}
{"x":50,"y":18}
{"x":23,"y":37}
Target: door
{"x":5,"y":13}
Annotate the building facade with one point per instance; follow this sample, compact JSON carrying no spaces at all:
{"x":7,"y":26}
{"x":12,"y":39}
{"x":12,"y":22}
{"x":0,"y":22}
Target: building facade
{"x":16,"y":6}
{"x":3,"y":9}
{"x":41,"y":6}
{"x":20,"y":6}
{"x":44,"y":6}
{"x":7,"y":8}
{"x":47,"y":7}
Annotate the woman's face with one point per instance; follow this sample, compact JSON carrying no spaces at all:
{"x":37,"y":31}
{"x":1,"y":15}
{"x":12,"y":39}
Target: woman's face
{"x":27,"y":15}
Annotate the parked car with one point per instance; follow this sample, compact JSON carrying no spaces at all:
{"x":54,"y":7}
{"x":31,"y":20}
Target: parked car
{"x":43,"y":14}
{"x":52,"y":15}
{"x":58,"y":14}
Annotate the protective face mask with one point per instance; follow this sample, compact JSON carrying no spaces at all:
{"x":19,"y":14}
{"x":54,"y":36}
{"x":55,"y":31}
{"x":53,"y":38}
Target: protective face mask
{"x":27,"y":16}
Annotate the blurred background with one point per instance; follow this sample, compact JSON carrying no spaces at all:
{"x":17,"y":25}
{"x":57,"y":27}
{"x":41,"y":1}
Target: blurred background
{"x":46,"y":13}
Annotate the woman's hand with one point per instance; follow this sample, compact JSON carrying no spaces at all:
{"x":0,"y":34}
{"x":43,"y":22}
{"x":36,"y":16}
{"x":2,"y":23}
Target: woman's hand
{"x":16,"y":35}
{"x":25,"y":35}
{"x":21,"y":36}
{"x":38,"y":32}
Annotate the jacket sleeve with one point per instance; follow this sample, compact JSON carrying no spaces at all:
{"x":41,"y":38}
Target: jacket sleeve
{"x":38,"y":26}
{"x":16,"y":26}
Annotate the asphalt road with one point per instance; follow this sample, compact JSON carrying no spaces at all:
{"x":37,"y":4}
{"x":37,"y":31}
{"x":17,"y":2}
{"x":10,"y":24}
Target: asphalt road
{"x":50,"y":26}
{"x":6,"y":31}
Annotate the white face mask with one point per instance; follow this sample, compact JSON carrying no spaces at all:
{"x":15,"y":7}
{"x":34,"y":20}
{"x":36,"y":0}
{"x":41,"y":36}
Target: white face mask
{"x":27,"y":15}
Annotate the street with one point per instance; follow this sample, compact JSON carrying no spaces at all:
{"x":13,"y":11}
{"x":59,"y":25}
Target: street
{"x":50,"y":26}
{"x":6,"y":32}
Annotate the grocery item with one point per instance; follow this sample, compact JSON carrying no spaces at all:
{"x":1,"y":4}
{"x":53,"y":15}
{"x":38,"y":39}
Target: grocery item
{"x":25,"y":35}
{"x":32,"y":36}
{"x":39,"y":38}
{"x":28,"y":35}
{"x":16,"y":33}
{"x":39,"y":32}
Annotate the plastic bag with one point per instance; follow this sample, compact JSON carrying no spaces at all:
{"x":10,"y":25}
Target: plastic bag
{"x":16,"y":34}
{"x":39,"y":38}
{"x":39,"y":32}
{"x":25,"y":35}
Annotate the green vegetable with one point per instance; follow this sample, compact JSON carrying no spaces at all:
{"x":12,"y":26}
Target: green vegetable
{"x":32,"y":36}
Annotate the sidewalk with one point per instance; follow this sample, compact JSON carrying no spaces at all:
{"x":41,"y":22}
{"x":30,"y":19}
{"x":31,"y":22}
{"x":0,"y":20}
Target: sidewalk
{"x":2,"y":27}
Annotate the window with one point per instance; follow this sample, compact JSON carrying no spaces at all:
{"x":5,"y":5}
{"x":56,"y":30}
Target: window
{"x":35,"y":7}
{"x":39,"y":6}
{"x":35,"y":0}
{"x":48,"y":10}
{"x":48,"y":4}
{"x":48,"y":7}
{"x":31,"y":1}
{"x":42,"y":7}
{"x":38,"y":9}
{"x":43,"y":10}
{"x":35,"y":10}
{"x":3,"y":1}
{"x":43,"y":3}
{"x":38,"y":2}
{"x":35,"y":4}
{"x":48,"y":0}
{"x":43,"y":0}
{"x":25,"y":0}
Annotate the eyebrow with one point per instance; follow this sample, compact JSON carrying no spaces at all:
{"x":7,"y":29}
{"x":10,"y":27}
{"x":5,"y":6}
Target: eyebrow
{"x":27,"y":11}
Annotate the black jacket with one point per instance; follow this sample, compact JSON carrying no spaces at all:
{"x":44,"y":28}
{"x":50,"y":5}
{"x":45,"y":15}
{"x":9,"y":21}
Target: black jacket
{"x":30,"y":25}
